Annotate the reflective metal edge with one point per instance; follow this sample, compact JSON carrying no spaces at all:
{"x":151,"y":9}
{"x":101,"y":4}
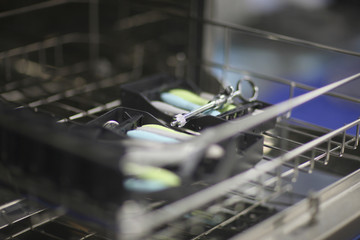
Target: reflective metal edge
{"x":320,"y":216}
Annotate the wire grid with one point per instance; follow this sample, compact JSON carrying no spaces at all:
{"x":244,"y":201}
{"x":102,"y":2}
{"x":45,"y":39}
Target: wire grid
{"x":286,"y":157}
{"x":73,"y":98}
{"x":50,"y":227}
{"x":57,"y":229}
{"x":236,"y":199}
{"x":19,"y":215}
{"x":294,"y":156}
{"x":26,"y":218}
{"x":64,"y":92}
{"x":45,"y":77}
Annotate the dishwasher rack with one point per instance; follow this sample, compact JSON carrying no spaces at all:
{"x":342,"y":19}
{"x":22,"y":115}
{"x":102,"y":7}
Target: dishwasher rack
{"x":71,"y":78}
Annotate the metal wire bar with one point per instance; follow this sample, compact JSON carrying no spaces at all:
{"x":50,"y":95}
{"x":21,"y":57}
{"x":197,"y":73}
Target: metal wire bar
{"x":357,"y":136}
{"x":67,"y":107}
{"x":276,"y":37}
{"x":297,"y":222}
{"x":226,"y":56}
{"x":26,"y":215}
{"x":138,"y":20}
{"x":109,"y":82}
{"x":39,"y":220}
{"x":2,"y":207}
{"x":88,"y":236}
{"x":330,"y":151}
{"x":171,"y":211}
{"x":291,"y":95}
{"x":275,"y":79}
{"x":238,"y":215}
{"x":47,"y":43}
{"x":4,"y":212}
{"x":282,"y":150}
{"x":307,"y":125}
{"x":186,"y":151}
{"x":242,"y":196}
{"x":304,"y":165}
{"x":279,"y":137}
{"x":107,"y":106}
{"x":16,"y":211}
{"x":85,"y":100}
{"x":92,"y":111}
{"x":61,"y":74}
{"x":312,"y":145}
{"x":40,"y":47}
{"x":37,"y":6}
{"x":294,"y":130}
{"x":287,"y":173}
{"x":344,"y":144}
{"x":224,"y":131}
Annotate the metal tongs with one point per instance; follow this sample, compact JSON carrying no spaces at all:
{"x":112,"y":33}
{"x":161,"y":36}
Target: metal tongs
{"x":227,"y":96}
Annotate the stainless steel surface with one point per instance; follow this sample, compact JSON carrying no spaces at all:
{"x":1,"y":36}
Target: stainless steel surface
{"x":318,"y":217}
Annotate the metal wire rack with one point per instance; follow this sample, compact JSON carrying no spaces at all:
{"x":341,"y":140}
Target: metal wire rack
{"x":260,"y":185}
{"x":46,"y":77}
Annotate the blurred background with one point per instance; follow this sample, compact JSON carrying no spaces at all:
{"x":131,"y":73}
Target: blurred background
{"x":328,"y":22}
{"x":67,"y":59}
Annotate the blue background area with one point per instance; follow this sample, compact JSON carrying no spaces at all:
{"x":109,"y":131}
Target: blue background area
{"x":329,"y":22}
{"x":314,"y":68}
